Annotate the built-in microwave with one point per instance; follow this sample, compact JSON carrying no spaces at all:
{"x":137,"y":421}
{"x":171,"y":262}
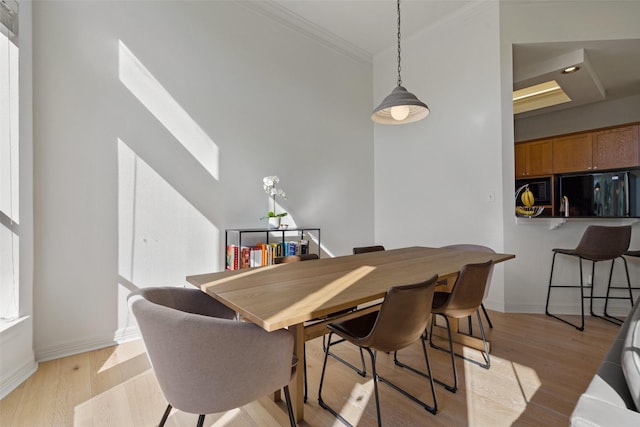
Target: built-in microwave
{"x":540,"y":187}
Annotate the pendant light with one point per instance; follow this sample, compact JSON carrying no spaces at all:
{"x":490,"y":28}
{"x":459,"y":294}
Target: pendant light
{"x":401,"y":106}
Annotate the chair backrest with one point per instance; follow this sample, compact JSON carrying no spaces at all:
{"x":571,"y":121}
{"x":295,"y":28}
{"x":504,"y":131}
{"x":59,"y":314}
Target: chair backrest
{"x":403,"y":316}
{"x":468,"y":291}
{"x":477,"y":248}
{"x":204,"y":360}
{"x":600,"y":243}
{"x":365,"y":249}
{"x":295,"y":258}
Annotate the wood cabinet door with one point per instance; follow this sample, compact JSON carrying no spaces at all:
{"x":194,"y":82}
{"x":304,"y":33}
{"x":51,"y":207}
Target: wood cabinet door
{"x":616,"y":148}
{"x":572,"y":153}
{"x":540,"y":158}
{"x":533,"y":159}
{"x":521,"y":153}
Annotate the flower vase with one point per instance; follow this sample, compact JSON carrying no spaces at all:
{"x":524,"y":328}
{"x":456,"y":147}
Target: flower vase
{"x":274,"y":222}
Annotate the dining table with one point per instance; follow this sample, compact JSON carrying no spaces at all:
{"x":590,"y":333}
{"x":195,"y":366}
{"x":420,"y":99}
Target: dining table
{"x":305,"y":296}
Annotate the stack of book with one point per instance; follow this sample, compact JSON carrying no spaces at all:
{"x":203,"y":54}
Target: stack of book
{"x":262,"y":254}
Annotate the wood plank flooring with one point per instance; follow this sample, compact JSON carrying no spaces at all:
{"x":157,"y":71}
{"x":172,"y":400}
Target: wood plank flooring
{"x":539,"y":368}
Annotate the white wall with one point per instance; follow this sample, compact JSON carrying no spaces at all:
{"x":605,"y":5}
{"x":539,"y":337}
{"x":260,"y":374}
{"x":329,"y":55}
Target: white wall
{"x":527,"y":277}
{"x":433,"y":178}
{"x":125,"y":92}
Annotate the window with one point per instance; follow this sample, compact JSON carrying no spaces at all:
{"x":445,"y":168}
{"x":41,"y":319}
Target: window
{"x":9,"y":185}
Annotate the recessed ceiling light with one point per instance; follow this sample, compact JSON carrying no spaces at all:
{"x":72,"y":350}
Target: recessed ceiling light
{"x":570,"y":70}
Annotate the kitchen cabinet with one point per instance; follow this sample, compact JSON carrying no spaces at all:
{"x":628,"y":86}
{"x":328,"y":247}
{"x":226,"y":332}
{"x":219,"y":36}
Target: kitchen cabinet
{"x":533,"y":159}
{"x":616,"y":148}
{"x":573,"y":153}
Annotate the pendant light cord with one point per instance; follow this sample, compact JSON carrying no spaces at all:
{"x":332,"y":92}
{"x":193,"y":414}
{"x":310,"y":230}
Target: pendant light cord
{"x":399,"y":78}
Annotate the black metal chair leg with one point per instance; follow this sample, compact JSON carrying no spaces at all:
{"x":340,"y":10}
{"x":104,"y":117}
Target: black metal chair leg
{"x":453,"y":388}
{"x":609,"y":287}
{"x":487,"y":357}
{"x":321,"y":402}
{"x":165,"y":416}
{"x":486,"y":316}
{"x":546,"y":309}
{"x":200,"y":421}
{"x":433,"y":409}
{"x":287,"y":398}
{"x":362,"y":372}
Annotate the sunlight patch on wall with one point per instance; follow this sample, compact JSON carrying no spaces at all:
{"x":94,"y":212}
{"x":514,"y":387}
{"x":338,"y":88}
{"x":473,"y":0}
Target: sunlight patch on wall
{"x":162,"y":238}
{"x":144,"y":86}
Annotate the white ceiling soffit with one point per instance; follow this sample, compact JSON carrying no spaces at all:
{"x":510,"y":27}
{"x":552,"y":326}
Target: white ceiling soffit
{"x":612,"y":69}
{"x":582,"y":86}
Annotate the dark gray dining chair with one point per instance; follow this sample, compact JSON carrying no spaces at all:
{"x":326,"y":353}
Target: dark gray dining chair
{"x":401,"y":321}
{"x":204,"y":359}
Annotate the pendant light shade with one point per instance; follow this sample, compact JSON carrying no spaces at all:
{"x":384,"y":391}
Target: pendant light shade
{"x":401,"y":106}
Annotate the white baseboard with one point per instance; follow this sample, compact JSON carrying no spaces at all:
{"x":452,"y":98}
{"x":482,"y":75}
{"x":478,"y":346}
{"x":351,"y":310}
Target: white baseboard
{"x":18,"y":377}
{"x":70,"y":348}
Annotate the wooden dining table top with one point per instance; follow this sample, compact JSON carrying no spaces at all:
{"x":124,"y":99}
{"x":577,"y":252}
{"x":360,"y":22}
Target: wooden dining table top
{"x":283,"y":295}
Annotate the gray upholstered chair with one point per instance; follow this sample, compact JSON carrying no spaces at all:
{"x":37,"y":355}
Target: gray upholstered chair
{"x":477,"y":248}
{"x":401,"y":321}
{"x":205,"y":360}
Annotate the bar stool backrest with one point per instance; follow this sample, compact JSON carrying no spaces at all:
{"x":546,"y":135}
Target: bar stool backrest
{"x":600,"y":243}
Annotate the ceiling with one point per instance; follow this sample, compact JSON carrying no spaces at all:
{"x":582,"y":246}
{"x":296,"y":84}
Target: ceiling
{"x":610,"y":69}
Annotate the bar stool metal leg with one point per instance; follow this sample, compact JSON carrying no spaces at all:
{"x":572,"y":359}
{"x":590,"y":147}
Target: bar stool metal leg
{"x":546,"y":309}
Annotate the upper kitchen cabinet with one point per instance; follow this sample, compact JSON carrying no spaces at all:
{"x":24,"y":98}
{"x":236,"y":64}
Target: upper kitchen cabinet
{"x":616,"y":148}
{"x":572,"y":153}
{"x":533,"y":159}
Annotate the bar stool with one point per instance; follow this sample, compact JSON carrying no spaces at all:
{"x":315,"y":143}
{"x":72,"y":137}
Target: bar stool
{"x":598,"y":243}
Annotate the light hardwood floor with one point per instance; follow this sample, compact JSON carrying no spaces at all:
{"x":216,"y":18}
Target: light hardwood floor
{"x":539,"y":368}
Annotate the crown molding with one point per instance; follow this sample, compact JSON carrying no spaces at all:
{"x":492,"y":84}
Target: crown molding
{"x":284,"y":16}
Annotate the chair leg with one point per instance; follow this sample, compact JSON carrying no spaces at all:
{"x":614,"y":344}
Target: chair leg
{"x":433,"y":409}
{"x":609,"y":287}
{"x":362,"y":372}
{"x":450,"y":388}
{"x":321,"y":402}
{"x":486,"y":316}
{"x":375,"y":384}
{"x":165,"y":416}
{"x":487,"y":357}
{"x":200,"y":421}
{"x":546,"y":308}
{"x":287,"y":398}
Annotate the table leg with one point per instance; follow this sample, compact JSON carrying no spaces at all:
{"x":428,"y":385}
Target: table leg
{"x":297,"y":385}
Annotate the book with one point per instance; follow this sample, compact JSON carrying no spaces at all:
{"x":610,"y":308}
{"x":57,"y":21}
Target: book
{"x":255,"y":259}
{"x":232,"y":257}
{"x":245,"y":257}
{"x":291,"y":248}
